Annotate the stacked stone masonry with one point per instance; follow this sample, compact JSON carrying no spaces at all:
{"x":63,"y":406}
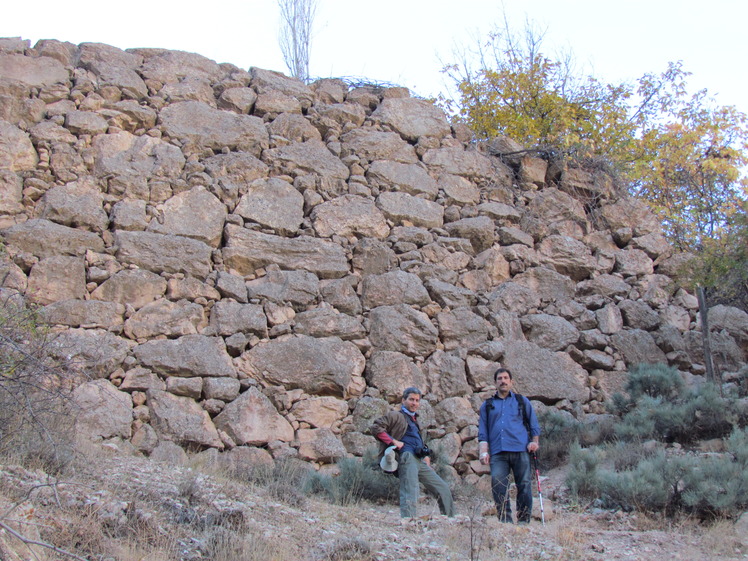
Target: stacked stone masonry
{"x":239,"y":261}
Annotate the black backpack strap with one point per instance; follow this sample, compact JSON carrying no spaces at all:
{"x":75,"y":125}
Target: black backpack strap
{"x":523,"y":411}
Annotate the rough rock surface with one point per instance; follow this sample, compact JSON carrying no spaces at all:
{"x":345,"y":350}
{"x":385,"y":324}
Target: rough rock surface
{"x":232,"y":249}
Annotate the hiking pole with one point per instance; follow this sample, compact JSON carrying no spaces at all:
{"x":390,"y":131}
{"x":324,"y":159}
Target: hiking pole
{"x":540,"y":493}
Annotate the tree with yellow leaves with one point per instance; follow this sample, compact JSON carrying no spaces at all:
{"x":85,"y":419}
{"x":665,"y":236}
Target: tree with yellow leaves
{"x":680,"y":152}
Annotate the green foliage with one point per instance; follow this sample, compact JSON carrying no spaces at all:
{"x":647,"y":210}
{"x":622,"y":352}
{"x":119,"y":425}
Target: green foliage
{"x":637,"y":472}
{"x":695,"y":415}
{"x":583,"y":478}
{"x":559,"y":432}
{"x":521,"y":93}
{"x":654,"y":485}
{"x":655,"y":481}
{"x":654,"y":380}
{"x":723,"y":263}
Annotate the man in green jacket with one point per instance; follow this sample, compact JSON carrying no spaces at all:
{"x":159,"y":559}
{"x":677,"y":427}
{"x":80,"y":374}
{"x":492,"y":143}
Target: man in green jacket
{"x":400,"y":429}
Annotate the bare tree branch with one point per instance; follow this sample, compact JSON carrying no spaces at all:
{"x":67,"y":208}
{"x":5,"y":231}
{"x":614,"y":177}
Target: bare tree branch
{"x":295,"y":35}
{"x":29,"y":541}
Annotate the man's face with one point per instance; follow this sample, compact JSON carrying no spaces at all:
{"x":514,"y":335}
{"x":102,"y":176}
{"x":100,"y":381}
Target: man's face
{"x":412,"y":402}
{"x":503,"y":383}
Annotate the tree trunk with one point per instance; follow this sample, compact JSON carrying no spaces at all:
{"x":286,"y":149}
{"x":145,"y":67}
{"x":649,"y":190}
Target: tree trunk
{"x":701,"y":295}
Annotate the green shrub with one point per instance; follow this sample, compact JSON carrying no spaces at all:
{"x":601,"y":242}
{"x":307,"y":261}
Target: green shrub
{"x":707,"y":486}
{"x":623,"y":455}
{"x":583,"y":478}
{"x":719,"y":487}
{"x":698,"y":415}
{"x":558,"y":432}
{"x":654,"y":485}
{"x":654,"y":380}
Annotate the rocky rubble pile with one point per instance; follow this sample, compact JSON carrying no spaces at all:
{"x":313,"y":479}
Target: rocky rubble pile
{"x":242,"y":262}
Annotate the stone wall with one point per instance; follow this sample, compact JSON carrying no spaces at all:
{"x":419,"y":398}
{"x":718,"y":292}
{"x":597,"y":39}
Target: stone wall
{"x":238,"y":261}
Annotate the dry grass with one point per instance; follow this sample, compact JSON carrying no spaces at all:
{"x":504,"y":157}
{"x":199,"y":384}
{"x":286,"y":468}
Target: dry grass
{"x":130,"y":509}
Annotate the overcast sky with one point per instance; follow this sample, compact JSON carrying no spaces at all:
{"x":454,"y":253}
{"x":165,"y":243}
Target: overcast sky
{"x":407,"y":41}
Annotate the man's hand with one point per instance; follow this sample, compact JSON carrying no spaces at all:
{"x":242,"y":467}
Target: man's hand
{"x":427,"y":461}
{"x":485,"y":458}
{"x":397,"y":444}
{"x":533,"y":447}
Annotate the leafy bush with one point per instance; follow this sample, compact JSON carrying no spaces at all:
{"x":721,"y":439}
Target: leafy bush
{"x":653,"y":485}
{"x":706,"y":486}
{"x":659,"y":408}
{"x":701,"y":414}
{"x":559,"y":432}
{"x":623,"y":455}
{"x":583,"y":479}
{"x":654,"y":380}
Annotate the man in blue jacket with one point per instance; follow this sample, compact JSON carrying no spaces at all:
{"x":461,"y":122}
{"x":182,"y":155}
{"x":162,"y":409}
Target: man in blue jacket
{"x":508,"y":432}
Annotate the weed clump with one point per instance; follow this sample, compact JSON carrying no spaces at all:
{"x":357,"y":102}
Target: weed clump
{"x":358,"y":479}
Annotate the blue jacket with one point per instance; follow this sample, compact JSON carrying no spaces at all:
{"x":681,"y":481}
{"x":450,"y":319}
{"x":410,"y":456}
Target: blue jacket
{"x":502,"y":426}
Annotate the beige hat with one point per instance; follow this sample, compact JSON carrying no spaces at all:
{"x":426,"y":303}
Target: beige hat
{"x":388,"y":462}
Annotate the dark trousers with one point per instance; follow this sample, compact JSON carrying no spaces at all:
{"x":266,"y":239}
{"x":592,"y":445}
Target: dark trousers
{"x":518,"y":463}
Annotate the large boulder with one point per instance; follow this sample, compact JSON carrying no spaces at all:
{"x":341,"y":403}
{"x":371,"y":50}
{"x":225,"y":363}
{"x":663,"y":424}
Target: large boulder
{"x":93,"y":352}
{"x":103,"y":411}
{"x":134,"y":287}
{"x":462,"y":329}
{"x":273,"y":203}
{"x":328,"y":366}
{"x":412,"y":118}
{"x":78,"y":204}
{"x":404,"y":209}
{"x":328,"y":322}
{"x":408,"y":178}
{"x":567,"y":256}
{"x":113,"y":67}
{"x":199,"y":126}
{"x":549,"y":331}
{"x":164,"y":253}
{"x":167,"y":318}
{"x":370,"y":145}
{"x":391,"y":372}
{"x":350,"y":216}
{"x":299,"y":288}
{"x":320,"y":412}
{"x":310,"y":158}
{"x":195,"y":214}
{"x":394,"y":287}
{"x":56,"y":278}
{"x":33,"y":71}
{"x":541,"y":373}
{"x":181,"y":420}
{"x":252,"y":419}
{"x":445,"y":376}
{"x":43,"y":238}
{"x":637,"y":347}
{"x":245,"y":251}
{"x":129,"y":156}
{"x":402,"y":329}
{"x":188,"y":356}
